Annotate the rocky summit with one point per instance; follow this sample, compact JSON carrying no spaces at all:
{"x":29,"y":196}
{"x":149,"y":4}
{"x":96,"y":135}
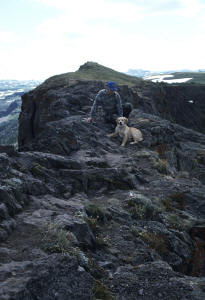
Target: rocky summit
{"x":83,"y":218}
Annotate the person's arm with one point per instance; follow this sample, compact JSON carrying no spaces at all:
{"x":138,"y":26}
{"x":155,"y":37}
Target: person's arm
{"x":95,"y":105}
{"x":119,"y":105}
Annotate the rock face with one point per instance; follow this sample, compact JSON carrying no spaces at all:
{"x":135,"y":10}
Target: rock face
{"x":182,"y":104}
{"x":42,"y":107}
{"x":83,"y":218}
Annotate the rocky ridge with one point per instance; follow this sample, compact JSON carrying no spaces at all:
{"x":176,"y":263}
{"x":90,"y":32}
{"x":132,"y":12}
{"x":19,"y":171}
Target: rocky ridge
{"x":83,"y":218}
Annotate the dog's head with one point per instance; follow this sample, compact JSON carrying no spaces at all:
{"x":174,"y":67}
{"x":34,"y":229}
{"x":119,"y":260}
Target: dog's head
{"x":122,"y":121}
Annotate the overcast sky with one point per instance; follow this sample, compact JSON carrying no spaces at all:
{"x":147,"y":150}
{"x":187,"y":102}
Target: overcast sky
{"x":41,"y":38}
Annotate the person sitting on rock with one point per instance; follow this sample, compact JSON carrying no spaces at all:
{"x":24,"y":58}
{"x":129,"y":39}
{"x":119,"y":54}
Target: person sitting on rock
{"x":111,"y":103}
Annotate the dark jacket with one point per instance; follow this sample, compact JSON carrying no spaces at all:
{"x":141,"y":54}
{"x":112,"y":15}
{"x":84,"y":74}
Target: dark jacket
{"x":111,"y":104}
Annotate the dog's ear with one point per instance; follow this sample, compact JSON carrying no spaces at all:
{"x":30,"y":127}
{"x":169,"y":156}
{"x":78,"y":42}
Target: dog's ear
{"x":117,"y":120}
{"x":126,"y":120}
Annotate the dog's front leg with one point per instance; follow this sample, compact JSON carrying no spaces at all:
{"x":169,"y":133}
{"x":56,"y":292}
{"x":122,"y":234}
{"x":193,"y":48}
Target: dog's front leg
{"x":135,"y":142}
{"x":124,"y":141}
{"x":113,"y":134}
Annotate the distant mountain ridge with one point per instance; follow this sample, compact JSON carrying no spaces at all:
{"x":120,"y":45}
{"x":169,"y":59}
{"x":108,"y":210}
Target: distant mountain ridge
{"x":10,"y":106}
{"x":143,"y":73}
{"x":175,"y":76}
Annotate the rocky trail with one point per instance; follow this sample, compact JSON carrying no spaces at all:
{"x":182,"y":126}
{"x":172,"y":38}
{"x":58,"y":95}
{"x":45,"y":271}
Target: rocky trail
{"x":83,"y":218}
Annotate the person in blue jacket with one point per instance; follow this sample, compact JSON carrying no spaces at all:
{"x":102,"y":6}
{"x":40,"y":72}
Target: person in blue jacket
{"x":110,"y":101}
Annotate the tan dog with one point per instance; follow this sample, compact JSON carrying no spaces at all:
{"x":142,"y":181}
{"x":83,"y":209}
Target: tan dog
{"x":126,"y":132}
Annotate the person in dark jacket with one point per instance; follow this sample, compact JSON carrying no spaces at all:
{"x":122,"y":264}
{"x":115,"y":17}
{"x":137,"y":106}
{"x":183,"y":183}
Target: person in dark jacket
{"x":110,"y":101}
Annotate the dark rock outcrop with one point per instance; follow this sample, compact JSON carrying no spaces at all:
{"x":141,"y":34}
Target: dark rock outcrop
{"x":83,"y":218}
{"x":53,"y":277}
{"x":183,"y":104}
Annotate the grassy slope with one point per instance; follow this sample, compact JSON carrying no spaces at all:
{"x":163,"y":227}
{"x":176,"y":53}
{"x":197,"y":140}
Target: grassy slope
{"x":90,"y":71}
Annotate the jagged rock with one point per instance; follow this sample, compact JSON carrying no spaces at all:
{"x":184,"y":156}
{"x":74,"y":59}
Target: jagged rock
{"x":6,"y":254}
{"x":156,"y":280}
{"x":54,"y":277}
{"x":170,"y":245}
{"x":119,"y":210}
{"x":42,"y":106}
{"x":7,"y":197}
{"x":10,"y":150}
{"x":80,"y":228}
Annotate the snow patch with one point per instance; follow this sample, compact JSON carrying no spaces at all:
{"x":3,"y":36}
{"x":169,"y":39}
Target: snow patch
{"x":160,"y":78}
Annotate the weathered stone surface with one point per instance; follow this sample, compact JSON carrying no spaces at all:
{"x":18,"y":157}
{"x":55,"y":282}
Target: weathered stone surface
{"x":155,"y":281}
{"x":127,"y":222}
{"x":54,"y":277}
{"x":10,"y":150}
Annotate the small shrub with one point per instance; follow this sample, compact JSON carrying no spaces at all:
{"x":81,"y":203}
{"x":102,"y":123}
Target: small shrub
{"x":175,"y":200}
{"x":102,"y":242}
{"x":92,"y":223}
{"x":95,"y":270}
{"x":175,"y":222}
{"x":179,"y":199}
{"x":55,"y":239}
{"x":161,"y":165}
{"x":20,"y":168}
{"x":37,"y":170}
{"x":100,"y":291}
{"x":167,"y":204}
{"x":140,"y":208}
{"x":96,"y":212}
{"x":154,"y":241}
{"x":137,"y":211}
{"x":162,"y":149}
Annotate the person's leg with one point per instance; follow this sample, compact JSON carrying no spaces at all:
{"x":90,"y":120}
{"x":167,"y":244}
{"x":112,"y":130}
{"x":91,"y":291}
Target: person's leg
{"x":127,"y":108}
{"x":110,"y":118}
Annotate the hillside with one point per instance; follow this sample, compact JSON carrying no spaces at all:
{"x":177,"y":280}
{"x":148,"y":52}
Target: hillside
{"x":90,"y":71}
